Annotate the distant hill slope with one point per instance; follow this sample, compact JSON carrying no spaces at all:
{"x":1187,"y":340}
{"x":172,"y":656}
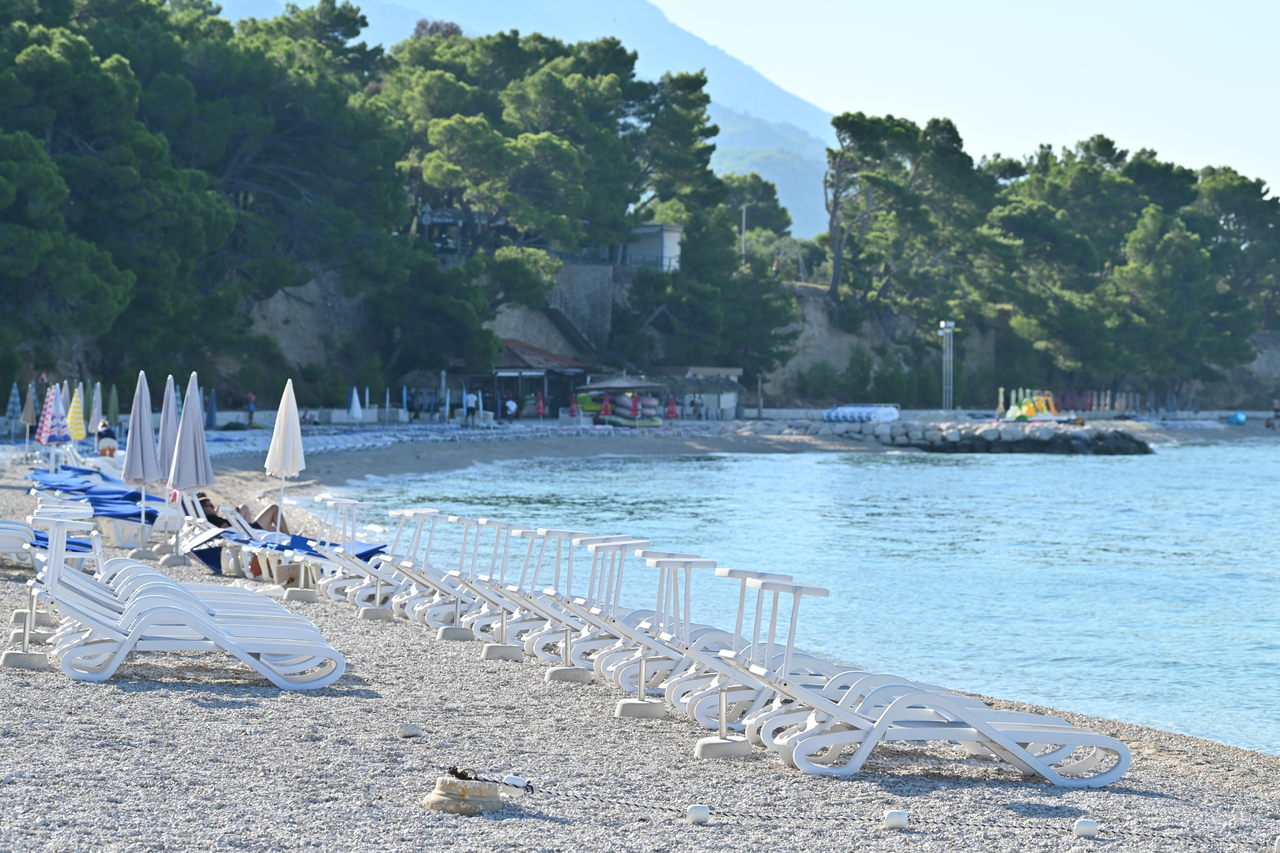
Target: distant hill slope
{"x":778,"y":152}
{"x":765,"y":128}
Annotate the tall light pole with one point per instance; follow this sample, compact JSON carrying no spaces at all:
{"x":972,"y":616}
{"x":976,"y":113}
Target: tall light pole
{"x":744,"y":231}
{"x":946,"y":329}
{"x":759,"y":395}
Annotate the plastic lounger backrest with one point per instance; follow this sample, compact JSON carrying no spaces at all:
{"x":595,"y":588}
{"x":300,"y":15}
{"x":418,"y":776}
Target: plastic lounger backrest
{"x":743,"y":575}
{"x":608,"y":591}
{"x":797,"y":590}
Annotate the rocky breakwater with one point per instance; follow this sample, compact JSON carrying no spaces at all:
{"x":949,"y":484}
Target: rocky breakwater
{"x":1031,"y":437}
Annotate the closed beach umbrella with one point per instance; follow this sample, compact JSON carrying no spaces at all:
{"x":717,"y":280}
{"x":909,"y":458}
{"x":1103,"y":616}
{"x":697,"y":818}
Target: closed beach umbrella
{"x":191,"y":466}
{"x":75,"y":414}
{"x":605,"y":408}
{"x":211,"y":411}
{"x":635,"y":405}
{"x":540,"y":408}
{"x":354,"y":412}
{"x":14,"y":410}
{"x":672,"y":414}
{"x":573,"y":405}
{"x":284,"y":457}
{"x":404,"y":397}
{"x":95,"y":410}
{"x":366,"y":396}
{"x":113,"y":405}
{"x":45,"y":426}
{"x":141,"y":465}
{"x":66,"y":395}
{"x":58,"y":433}
{"x":29,"y":416}
{"x":168,"y":428}
{"x":53,"y":423}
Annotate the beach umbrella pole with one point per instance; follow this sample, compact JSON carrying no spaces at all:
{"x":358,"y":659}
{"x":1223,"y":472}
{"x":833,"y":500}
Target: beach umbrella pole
{"x":280,"y":506}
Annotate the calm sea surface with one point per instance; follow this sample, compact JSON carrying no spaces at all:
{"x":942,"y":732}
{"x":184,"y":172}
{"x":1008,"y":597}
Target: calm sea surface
{"x":1144,"y":589}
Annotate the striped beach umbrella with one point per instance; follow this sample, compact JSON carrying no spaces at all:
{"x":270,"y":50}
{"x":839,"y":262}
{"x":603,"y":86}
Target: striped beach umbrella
{"x":52,"y":428}
{"x":75,"y":414}
{"x":14,"y":410}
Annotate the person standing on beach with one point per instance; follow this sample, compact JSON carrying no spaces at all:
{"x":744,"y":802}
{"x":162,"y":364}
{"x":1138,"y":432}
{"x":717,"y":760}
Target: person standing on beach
{"x":513,"y":409}
{"x":472,"y":404}
{"x":250,"y":403}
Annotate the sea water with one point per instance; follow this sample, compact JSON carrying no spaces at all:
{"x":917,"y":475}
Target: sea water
{"x":1143,"y":589}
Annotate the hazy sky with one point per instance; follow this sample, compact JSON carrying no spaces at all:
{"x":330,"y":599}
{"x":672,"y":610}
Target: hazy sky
{"x":1198,"y":82}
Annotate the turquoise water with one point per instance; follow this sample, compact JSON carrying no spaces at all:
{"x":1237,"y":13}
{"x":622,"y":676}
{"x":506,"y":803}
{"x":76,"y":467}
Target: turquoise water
{"x":1141,"y":589}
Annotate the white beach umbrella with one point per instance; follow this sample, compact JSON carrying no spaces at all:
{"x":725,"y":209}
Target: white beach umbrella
{"x":141,"y":465}
{"x":168,"y":428}
{"x":95,"y":410}
{"x":284,"y":457}
{"x":354,"y":412}
{"x":191,"y":466}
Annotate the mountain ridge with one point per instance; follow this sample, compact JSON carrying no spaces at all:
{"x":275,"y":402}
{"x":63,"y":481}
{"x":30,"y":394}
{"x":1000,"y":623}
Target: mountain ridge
{"x":764,"y":128}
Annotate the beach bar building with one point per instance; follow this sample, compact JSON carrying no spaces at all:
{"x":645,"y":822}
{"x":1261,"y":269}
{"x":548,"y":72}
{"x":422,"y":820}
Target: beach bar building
{"x":520,"y":372}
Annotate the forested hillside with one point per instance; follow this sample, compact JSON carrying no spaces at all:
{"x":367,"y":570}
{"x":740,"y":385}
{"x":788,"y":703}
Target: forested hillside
{"x":164,"y":170}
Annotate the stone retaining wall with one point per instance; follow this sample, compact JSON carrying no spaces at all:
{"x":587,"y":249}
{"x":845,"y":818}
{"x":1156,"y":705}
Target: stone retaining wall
{"x":969,"y":438}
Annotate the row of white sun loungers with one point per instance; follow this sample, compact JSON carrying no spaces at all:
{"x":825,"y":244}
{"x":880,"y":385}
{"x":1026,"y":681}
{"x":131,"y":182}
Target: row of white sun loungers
{"x":518,"y":588}
{"x":552,"y":595}
{"x":109,"y":609}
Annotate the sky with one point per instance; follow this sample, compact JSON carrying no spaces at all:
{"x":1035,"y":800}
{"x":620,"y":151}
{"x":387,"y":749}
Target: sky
{"x":1195,"y":81}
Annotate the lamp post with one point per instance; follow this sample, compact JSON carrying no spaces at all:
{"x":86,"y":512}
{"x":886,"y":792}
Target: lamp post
{"x":946,"y":329}
{"x":759,"y":396}
{"x":744,"y":231}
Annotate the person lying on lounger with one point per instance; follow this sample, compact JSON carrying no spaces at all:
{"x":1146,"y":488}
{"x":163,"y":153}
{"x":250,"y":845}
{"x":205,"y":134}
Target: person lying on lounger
{"x":266,"y":519}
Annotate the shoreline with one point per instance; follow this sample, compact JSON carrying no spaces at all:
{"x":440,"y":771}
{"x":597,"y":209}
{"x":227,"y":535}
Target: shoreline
{"x":241,"y":478}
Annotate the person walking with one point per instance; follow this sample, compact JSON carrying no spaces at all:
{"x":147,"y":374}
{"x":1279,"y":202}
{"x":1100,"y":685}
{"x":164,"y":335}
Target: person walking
{"x":251,"y":403}
{"x":513,"y":408}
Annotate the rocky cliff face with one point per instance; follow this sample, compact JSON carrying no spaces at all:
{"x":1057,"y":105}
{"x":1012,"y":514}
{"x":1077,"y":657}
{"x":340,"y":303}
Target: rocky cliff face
{"x":311,"y":323}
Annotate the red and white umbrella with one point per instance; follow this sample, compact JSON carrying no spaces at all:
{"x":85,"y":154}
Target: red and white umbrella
{"x":540,"y":408}
{"x":52,"y":428}
{"x":573,"y":405}
{"x":606,"y":409}
{"x":672,"y":414}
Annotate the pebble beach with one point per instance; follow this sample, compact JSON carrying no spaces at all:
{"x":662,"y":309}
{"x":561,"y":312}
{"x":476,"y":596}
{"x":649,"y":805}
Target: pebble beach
{"x":194,"y":752}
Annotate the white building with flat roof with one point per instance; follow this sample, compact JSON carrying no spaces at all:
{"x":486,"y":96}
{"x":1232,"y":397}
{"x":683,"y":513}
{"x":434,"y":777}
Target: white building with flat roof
{"x":657,"y":247}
